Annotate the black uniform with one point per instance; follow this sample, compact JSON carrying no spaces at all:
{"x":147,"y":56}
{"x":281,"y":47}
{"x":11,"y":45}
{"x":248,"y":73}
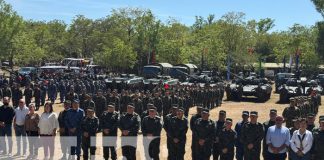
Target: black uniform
{"x":266,"y":126}
{"x":227,"y":140}
{"x":16,"y":96}
{"x":28,"y":93}
{"x":37,"y":96}
{"x":167,"y":120}
{"x":252,"y":134}
{"x":109,"y":120}
{"x":216,"y":145}
{"x":89,"y":125}
{"x":131,"y":123}
{"x":167,"y":102}
{"x":205,"y":130}
{"x":177,"y":129}
{"x":194,"y":137}
{"x":152,"y":126}
{"x":100,"y":104}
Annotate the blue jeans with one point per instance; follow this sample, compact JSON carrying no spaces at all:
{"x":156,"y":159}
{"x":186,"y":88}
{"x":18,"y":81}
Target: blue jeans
{"x":21,"y":137}
{"x":6,"y":131}
{"x":294,"y":156}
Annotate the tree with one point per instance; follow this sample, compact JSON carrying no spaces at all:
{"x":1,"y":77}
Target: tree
{"x":319,"y":4}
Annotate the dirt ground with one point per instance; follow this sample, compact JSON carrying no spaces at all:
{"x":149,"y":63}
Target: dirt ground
{"x":233,"y":109}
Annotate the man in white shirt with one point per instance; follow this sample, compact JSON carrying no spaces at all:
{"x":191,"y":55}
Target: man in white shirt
{"x":277,"y":139}
{"x":19,"y":121}
{"x":301,"y":142}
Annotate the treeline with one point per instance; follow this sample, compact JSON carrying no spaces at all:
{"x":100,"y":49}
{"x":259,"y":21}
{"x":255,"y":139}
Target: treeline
{"x":129,"y":38}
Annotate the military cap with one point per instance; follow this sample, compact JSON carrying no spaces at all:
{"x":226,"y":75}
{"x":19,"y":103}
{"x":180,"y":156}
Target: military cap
{"x":292,"y":99}
{"x":181,"y":109}
{"x":112,"y":103}
{"x":175,"y":106}
{"x":67,"y":102}
{"x":111,"y":106}
{"x":130,"y":105}
{"x":229,"y":120}
{"x":310,"y":115}
{"x":273,"y":111}
{"x":321,"y":118}
{"x":246,"y":113}
{"x":222,"y":112}
{"x":90,"y":109}
{"x":205,"y":110}
{"x":99,"y":90}
{"x":76,"y":101}
{"x":152,"y":108}
{"x":254,"y":113}
{"x":149,"y":104}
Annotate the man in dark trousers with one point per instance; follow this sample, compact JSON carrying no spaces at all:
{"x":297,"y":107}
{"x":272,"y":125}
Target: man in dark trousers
{"x":7,"y":114}
{"x":251,"y":136}
{"x":151,"y":129}
{"x":129,"y":125}
{"x":239,"y":146}
{"x":227,"y":138}
{"x":166,"y":125}
{"x":89,"y":127}
{"x":204,"y":131}
{"x":108,"y":124}
{"x":63,"y":129}
{"x":28,"y":93}
{"x":177,"y":131}
{"x":16,"y":95}
{"x":192,"y":125}
{"x":73,"y":121}
{"x":100,"y":103}
{"x":266,"y":125}
{"x":219,"y":127}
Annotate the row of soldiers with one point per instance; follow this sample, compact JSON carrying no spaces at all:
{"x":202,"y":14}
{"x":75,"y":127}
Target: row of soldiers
{"x":92,"y":92}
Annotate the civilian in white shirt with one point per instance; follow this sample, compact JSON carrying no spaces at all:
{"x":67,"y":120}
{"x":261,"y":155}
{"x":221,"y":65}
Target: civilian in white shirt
{"x":48,"y":124}
{"x":301,"y":142}
{"x":19,"y":125}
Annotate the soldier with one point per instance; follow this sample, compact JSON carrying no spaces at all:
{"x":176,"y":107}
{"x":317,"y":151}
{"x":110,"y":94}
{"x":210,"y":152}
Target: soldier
{"x":138,"y":104}
{"x":204,"y":131}
{"x":166,"y":125}
{"x":129,"y":126}
{"x":115,"y":99}
{"x":290,"y":113}
{"x":100,"y":103}
{"x":88,"y":102}
{"x":71,"y":95}
{"x":62,"y":89}
{"x":52,"y":91}
{"x":167,"y":102}
{"x":227,"y":138}
{"x":219,"y":127}
{"x":266,"y":125}
{"x":251,"y":136}
{"x":28,"y":93}
{"x":318,"y":135}
{"x":6,"y":91}
{"x":177,"y":131}
{"x":73,"y":121}
{"x":43,"y":89}
{"x":192,"y":125}
{"x":37,"y":96}
{"x":239,"y":146}
{"x":157,"y":102}
{"x":151,"y":128}
{"x":89,"y":126}
{"x":125,"y":99}
{"x":63,"y":129}
{"x":109,"y":123}
{"x":16,"y":95}
{"x":310,"y":121}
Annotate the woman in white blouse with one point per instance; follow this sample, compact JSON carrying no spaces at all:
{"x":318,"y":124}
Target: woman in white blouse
{"x":301,"y":142}
{"x":48,"y":124}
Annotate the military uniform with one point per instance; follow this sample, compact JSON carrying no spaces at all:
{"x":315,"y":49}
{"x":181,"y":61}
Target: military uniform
{"x":219,"y":127}
{"x":318,"y":147}
{"x":131,"y":123}
{"x":252,"y":134}
{"x":100,"y":104}
{"x":89,"y":126}
{"x":63,"y":130}
{"x":37,"y":96}
{"x":203,"y":130}
{"x":153,"y":126}
{"x":227,"y":138}
{"x":289,"y":114}
{"x":28,"y":93}
{"x":266,"y":126}
{"x":239,"y":146}
{"x":16,"y":96}
{"x":194,"y":137}
{"x":109,"y":120}
{"x":177,"y":130}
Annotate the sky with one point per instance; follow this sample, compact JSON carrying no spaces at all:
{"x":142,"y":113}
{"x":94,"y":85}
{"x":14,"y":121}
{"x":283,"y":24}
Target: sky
{"x":285,"y":12}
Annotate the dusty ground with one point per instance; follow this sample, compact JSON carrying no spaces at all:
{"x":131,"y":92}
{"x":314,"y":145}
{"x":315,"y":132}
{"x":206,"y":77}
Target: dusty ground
{"x":233,"y":109}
